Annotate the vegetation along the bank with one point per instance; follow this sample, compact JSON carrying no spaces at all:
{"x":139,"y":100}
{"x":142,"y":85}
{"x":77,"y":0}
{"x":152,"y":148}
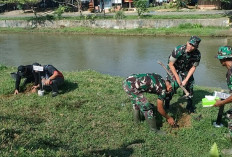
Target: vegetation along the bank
{"x":92,"y":117}
{"x":182,"y":30}
{"x":185,"y":29}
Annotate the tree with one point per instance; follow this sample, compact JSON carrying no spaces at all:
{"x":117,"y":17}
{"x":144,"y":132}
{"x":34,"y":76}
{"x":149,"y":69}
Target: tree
{"x":141,"y":6}
{"x":73,"y":3}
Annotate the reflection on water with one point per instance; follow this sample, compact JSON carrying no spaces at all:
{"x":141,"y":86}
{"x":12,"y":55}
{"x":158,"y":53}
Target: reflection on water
{"x":114,"y":55}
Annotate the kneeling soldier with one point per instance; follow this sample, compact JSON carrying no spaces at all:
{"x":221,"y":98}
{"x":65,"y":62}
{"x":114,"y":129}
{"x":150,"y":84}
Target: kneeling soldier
{"x":137,"y":84}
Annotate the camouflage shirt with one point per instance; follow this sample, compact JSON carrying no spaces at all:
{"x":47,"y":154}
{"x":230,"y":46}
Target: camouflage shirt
{"x":150,"y":82}
{"x":229,"y":79}
{"x":184,"y":61}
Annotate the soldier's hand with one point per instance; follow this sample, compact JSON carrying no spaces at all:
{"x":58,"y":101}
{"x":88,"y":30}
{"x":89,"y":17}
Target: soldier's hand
{"x":184,"y":82}
{"x":218,"y":103}
{"x":171,"y":121}
{"x":33,"y":90}
{"x":16,"y":92}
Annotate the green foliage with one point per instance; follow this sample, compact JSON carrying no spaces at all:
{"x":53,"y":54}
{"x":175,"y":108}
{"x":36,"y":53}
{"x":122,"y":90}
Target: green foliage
{"x":91,"y":17}
{"x":19,"y":6}
{"x":141,"y":6}
{"x":225,"y":1}
{"x":214,"y":151}
{"x":181,"y":4}
{"x":189,"y":25}
{"x":119,"y":15}
{"x":28,"y":2}
{"x":59,"y":11}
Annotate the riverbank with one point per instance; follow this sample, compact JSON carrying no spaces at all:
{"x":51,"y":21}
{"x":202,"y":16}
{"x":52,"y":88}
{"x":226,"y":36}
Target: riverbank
{"x":182,"y":30}
{"x":92,"y":117}
{"x":215,"y":25}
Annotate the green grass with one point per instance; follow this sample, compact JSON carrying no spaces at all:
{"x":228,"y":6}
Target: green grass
{"x":127,"y":17}
{"x":182,"y":30}
{"x":92,"y":117}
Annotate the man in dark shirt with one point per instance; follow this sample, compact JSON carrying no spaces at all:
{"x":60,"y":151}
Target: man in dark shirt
{"x":25,"y":71}
{"x":51,"y":77}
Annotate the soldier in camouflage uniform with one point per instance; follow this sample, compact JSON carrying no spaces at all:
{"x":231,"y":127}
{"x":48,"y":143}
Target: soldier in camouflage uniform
{"x":225,"y":57}
{"x":137,"y":84}
{"x":183,"y":61}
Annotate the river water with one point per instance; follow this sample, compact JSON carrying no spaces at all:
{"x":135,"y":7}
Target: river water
{"x":114,"y":55}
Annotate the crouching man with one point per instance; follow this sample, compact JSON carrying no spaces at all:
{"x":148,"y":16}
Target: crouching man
{"x":137,"y":84}
{"x":25,"y":72}
{"x":51,"y":77}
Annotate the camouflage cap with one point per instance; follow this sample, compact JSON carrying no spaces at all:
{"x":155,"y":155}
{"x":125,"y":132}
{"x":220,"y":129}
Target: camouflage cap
{"x":224,"y":52}
{"x":195,"y":41}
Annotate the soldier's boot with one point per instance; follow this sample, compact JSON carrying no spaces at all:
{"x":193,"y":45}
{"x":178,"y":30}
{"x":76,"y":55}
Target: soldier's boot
{"x":152,"y":124}
{"x":190,"y":107}
{"x":136,"y":114}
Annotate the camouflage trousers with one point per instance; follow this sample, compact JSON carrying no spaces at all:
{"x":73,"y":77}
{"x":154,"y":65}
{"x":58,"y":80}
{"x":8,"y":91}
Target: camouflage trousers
{"x":139,"y":102}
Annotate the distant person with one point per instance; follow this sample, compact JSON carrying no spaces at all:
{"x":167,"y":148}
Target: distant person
{"x":25,"y":72}
{"x":51,"y":77}
{"x":183,"y":61}
{"x":138,"y":84}
{"x":225,"y":57}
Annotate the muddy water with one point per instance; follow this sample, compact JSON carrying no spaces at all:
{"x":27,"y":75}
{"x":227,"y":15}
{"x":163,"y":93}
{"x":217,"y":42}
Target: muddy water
{"x":114,"y":55}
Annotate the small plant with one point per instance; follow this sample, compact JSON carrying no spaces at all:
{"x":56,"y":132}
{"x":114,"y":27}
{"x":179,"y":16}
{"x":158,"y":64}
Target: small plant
{"x":189,"y":25}
{"x":197,"y":25}
{"x":119,"y":15}
{"x":214,"y":151}
{"x":19,"y":7}
{"x":59,"y":11}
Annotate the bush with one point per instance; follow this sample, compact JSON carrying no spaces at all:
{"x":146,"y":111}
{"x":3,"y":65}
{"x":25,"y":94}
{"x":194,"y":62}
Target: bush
{"x":141,"y":6}
{"x":189,"y":25}
{"x":59,"y":11}
{"x":119,"y":15}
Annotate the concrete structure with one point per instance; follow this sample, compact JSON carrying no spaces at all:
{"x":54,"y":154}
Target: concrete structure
{"x":115,"y":24}
{"x":209,"y":4}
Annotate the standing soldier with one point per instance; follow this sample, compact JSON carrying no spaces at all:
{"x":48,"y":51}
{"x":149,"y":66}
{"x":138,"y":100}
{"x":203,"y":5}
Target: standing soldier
{"x":137,"y":84}
{"x":183,"y":61}
{"x":225,"y":57}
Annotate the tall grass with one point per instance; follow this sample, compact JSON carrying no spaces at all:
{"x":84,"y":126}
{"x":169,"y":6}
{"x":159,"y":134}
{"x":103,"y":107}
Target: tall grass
{"x":92,"y":117}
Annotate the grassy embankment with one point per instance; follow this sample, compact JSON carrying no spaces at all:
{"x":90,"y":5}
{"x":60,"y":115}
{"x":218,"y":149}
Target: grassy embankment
{"x":92,"y":117}
{"x":181,"y":30}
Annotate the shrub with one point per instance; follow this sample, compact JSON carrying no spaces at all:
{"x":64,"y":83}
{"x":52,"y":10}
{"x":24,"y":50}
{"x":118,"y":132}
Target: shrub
{"x":119,"y":15}
{"x":59,"y":11}
{"x":189,"y":25}
{"x":141,"y":6}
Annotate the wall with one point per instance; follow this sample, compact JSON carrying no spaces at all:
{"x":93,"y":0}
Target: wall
{"x":208,"y":4}
{"x":115,"y":24}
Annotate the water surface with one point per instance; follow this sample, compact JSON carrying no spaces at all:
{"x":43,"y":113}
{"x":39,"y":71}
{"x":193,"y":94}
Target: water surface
{"x":114,"y":55}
